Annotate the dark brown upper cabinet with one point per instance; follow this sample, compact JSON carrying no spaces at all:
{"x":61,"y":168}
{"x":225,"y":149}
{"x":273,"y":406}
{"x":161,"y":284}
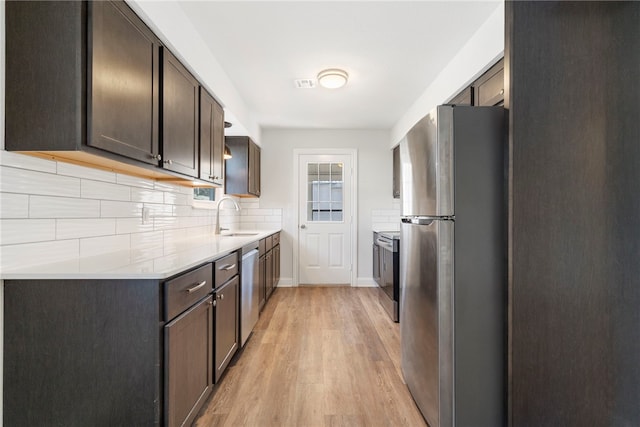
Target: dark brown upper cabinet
{"x":396,"y":172}
{"x":489,"y":88}
{"x":242,"y":171}
{"x":465,"y":97}
{"x":81,"y":77}
{"x":211,"y":139}
{"x":180,"y":111}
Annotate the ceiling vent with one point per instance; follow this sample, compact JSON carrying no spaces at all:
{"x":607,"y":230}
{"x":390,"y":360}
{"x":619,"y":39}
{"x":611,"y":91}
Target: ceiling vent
{"x":306,"y":83}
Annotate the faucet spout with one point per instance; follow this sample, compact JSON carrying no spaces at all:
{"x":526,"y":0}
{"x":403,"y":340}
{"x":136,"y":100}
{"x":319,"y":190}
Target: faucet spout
{"x":217,"y":230}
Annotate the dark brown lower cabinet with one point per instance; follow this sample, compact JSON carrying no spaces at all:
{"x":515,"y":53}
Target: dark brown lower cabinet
{"x":188,"y":362}
{"x":226,"y":325}
{"x":268,"y":273}
{"x":82,"y":353}
{"x":262,"y":284}
{"x":276,"y":265}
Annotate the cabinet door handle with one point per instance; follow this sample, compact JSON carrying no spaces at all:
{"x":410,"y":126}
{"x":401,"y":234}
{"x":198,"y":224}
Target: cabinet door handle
{"x":221,"y":296}
{"x":227,"y":267}
{"x":196,"y":287}
{"x":169,"y":162}
{"x":156,"y":156}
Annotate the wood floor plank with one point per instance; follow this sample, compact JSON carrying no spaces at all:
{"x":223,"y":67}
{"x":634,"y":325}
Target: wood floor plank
{"x":318,"y":357}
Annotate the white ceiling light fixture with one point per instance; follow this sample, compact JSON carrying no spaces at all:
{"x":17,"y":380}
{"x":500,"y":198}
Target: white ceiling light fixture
{"x":332,"y":78}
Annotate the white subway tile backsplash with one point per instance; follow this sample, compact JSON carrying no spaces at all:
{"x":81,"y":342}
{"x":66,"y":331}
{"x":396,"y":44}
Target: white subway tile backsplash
{"x":77,"y":228}
{"x":165,"y":223}
{"x":134,"y":181}
{"x":252,"y":218}
{"x":69,"y":169}
{"x":100,"y":245}
{"x":14,"y":205}
{"x":163,"y":186}
{"x":14,"y":180}
{"x":156,"y":210}
{"x":24,"y":161}
{"x":13,"y":231}
{"x":273,"y":218}
{"x":147,"y":196}
{"x":109,"y":209}
{"x":176,"y":198}
{"x":14,"y":256}
{"x":62,"y":207}
{"x":132,"y":225}
{"x":104,"y":191}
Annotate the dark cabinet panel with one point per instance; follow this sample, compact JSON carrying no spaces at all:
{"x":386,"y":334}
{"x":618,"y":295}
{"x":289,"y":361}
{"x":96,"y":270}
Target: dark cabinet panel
{"x":82,"y":353}
{"x":81,"y":75}
{"x":396,"y":173}
{"x":211,"y":139}
{"x":242,"y":171}
{"x":262,"y":281}
{"x":124,"y":83}
{"x":376,"y":261}
{"x":180,"y":114}
{"x":268,"y":273}
{"x":226,"y":325}
{"x":489,"y":88}
{"x":276,"y":265}
{"x":465,"y":97}
{"x":188,"y":363}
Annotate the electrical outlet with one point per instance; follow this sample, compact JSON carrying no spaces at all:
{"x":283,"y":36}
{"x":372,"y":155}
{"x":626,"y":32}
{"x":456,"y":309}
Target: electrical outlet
{"x":146,"y":215}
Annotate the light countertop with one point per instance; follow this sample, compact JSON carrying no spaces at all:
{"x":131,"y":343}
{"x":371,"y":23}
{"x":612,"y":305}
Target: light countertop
{"x":138,"y":264}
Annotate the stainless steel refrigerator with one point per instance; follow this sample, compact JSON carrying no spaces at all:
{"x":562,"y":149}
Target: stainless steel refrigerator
{"x":453,"y":274}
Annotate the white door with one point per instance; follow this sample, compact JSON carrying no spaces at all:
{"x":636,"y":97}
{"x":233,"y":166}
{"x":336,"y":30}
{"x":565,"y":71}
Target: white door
{"x":324,"y":219}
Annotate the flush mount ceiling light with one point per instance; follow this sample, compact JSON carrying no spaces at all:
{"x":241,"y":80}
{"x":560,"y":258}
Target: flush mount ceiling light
{"x":332,"y":78}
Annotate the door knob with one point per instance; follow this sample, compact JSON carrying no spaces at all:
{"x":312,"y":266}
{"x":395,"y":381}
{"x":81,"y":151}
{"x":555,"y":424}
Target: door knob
{"x":303,"y":226}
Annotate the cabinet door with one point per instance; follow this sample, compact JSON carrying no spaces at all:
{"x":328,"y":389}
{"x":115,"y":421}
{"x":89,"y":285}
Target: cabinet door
{"x":226,"y":325}
{"x":123,"y":76}
{"x":254,"y":169}
{"x":276,"y":265}
{"x":188,"y":363}
{"x":489,"y":88}
{"x":179,"y":117}
{"x":464,"y":97}
{"x":268,"y":274}
{"x":211,"y":138}
{"x":262,"y":281}
{"x":396,"y":172}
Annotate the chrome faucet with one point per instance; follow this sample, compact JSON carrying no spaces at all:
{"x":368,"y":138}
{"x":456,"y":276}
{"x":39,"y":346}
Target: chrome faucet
{"x":217,"y":231}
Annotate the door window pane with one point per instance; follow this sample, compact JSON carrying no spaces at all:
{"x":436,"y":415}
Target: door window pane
{"x":325,"y":196}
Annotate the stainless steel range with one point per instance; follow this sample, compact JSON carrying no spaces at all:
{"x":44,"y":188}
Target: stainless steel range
{"x":386,"y":270}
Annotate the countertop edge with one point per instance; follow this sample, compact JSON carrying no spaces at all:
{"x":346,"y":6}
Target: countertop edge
{"x":189,"y":253}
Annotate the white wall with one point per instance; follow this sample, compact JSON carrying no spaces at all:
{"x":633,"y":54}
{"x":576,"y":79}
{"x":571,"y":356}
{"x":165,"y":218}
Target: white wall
{"x":169,"y":22}
{"x":482,"y":50}
{"x":374,"y":183}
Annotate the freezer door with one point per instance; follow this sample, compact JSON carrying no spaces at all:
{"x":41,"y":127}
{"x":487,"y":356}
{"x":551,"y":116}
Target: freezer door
{"x":426,"y":317}
{"x":426,"y":165}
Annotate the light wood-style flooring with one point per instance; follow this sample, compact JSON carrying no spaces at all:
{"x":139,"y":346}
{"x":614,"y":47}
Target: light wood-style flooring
{"x":319,"y":356}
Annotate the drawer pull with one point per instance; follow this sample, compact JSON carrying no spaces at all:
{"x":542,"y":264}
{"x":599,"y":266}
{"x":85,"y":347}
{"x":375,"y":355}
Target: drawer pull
{"x":227,"y":267}
{"x":196,"y":287}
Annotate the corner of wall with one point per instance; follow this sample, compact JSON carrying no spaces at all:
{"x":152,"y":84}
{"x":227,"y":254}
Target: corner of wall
{"x":481,"y":51}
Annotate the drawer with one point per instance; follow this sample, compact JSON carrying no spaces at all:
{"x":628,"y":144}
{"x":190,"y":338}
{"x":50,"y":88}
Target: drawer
{"x":225,"y":268}
{"x":262,"y":246}
{"x":185,"y":290}
{"x":275,"y":239}
{"x":269,"y":244}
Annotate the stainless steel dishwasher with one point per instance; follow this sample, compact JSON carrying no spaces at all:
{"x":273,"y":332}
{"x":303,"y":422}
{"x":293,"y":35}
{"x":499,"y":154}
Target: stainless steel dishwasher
{"x":249,"y":291}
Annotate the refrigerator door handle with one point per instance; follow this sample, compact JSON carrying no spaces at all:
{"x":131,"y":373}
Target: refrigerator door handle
{"x":421,"y":220}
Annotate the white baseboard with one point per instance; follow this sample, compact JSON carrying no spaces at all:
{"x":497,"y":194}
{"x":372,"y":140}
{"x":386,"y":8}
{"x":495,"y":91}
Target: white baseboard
{"x":285,"y":282}
{"x":365,"y":282}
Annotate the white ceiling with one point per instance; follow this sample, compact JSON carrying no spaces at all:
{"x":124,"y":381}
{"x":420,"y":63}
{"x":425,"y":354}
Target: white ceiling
{"x":392,"y":51}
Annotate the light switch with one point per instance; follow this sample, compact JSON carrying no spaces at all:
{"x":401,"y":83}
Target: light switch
{"x":146,"y":215}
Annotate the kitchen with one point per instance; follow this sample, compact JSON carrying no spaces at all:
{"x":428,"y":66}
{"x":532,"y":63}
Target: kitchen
{"x":536,"y":202}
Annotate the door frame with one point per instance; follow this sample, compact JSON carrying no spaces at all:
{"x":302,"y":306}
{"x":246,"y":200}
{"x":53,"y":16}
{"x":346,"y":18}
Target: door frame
{"x":353,"y":180}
